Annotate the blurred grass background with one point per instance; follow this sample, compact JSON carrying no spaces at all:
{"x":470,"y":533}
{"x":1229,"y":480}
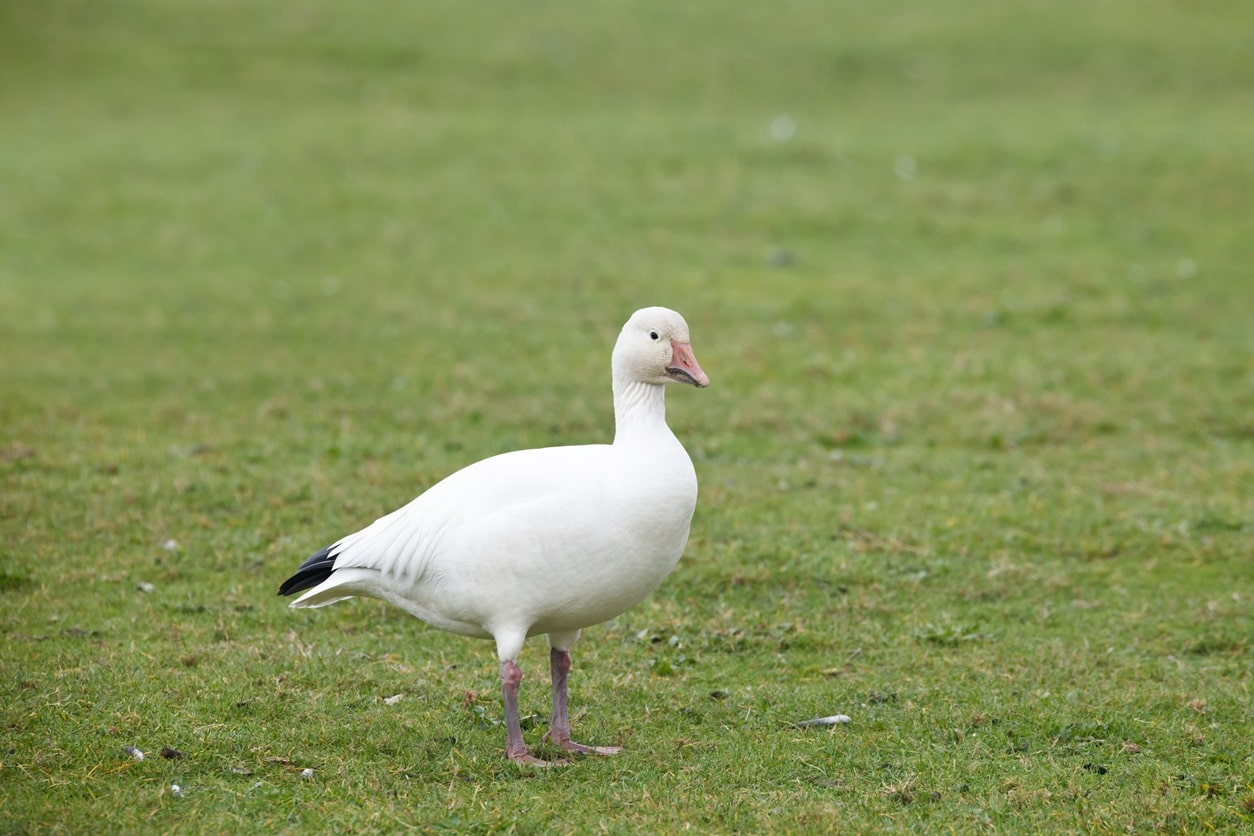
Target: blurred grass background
{"x":972,"y":284}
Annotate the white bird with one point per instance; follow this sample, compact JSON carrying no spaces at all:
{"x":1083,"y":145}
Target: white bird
{"x":548,"y":540}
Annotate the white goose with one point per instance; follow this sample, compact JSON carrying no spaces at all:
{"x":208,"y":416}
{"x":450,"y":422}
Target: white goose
{"x":550,"y":541}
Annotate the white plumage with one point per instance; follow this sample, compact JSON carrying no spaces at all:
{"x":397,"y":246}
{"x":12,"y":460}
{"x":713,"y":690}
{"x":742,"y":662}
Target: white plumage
{"x":549,"y":540}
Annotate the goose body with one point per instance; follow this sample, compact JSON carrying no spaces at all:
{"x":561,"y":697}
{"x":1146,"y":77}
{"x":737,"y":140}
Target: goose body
{"x":548,"y":540}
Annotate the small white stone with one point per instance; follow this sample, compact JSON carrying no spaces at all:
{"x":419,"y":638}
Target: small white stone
{"x":307,"y":774}
{"x":175,"y":789}
{"x":834,"y":720}
{"x":144,"y":586}
{"x":394,"y":699}
{"x":783,"y":128}
{"x":134,"y":753}
{"x":170,"y":545}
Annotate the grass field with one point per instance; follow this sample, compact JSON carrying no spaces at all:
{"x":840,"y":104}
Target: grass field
{"x":971,"y":280}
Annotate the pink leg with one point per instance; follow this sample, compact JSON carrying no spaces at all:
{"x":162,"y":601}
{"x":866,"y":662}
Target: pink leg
{"x":515,"y":747}
{"x":559,"y":728}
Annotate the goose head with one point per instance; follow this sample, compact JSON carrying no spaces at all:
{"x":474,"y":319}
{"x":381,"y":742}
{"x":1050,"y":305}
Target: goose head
{"x":654,"y":347}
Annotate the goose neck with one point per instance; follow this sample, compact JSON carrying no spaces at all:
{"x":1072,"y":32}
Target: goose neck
{"x":638,"y":407}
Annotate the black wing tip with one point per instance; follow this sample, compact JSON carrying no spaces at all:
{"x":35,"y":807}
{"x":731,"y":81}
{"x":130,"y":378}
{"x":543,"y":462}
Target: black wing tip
{"x":312,"y":572}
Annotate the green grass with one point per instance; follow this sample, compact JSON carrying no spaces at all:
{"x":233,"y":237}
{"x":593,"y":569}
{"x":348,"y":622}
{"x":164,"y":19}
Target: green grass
{"x":977,"y":464}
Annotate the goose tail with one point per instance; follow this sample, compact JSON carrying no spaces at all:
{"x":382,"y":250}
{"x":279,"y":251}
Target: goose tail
{"x":312,"y":572}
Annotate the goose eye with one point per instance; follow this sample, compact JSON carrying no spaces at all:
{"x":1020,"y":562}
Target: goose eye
{"x":653,"y":335}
